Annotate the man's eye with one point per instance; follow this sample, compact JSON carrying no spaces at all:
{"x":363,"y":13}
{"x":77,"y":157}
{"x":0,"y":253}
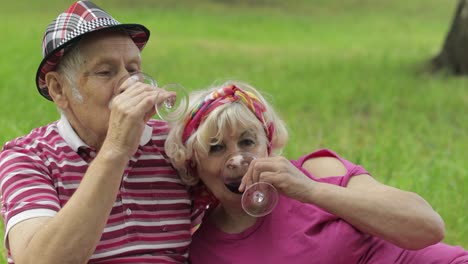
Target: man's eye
{"x":216,"y":148}
{"x":103,"y":73}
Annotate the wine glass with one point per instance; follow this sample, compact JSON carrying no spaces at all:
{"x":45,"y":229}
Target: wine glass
{"x":260,"y":198}
{"x":172,"y":108}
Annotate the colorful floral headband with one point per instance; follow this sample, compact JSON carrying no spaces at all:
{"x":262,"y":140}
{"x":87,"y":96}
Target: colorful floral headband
{"x":222,"y":96}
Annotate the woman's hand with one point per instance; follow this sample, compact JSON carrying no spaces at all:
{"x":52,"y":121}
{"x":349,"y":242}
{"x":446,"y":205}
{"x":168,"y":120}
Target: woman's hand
{"x":281,"y":173}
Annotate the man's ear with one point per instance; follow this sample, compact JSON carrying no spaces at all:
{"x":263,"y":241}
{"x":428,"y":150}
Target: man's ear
{"x":56,"y":88}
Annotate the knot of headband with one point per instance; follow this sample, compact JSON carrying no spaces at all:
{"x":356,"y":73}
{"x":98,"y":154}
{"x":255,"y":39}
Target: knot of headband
{"x":222,"y":96}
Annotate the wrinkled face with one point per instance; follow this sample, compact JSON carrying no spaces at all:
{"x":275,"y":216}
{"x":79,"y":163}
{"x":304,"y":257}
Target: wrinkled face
{"x":107,"y":57}
{"x":210,"y":167}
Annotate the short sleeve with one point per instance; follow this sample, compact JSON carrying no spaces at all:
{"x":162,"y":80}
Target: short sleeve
{"x":27,"y":190}
{"x":341,"y":180}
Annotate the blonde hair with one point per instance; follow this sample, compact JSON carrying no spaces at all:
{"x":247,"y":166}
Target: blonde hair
{"x":221,"y":121}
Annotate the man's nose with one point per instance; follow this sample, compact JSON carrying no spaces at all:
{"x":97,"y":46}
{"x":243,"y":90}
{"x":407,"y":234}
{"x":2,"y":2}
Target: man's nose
{"x":122,"y":77}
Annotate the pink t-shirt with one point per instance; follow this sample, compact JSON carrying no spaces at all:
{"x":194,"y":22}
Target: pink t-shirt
{"x":299,"y":233}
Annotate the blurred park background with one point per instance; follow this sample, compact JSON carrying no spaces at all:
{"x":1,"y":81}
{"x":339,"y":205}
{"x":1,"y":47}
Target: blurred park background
{"x":345,"y":75}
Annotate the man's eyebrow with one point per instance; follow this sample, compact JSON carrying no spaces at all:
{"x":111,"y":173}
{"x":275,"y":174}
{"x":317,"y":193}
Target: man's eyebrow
{"x":101,"y":61}
{"x":111,"y":60}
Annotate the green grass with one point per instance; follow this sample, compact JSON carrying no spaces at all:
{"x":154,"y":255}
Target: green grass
{"x":343,"y":74}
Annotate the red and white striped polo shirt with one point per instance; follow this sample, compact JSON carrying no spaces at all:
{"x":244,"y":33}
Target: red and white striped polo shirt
{"x":150,"y":220}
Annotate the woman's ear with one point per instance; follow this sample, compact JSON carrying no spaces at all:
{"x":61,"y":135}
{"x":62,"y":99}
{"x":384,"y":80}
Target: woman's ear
{"x":56,"y":88}
{"x":192,"y":168}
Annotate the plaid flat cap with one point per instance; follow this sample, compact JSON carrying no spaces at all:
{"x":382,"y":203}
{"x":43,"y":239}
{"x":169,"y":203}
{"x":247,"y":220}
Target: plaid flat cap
{"x":81,"y":18}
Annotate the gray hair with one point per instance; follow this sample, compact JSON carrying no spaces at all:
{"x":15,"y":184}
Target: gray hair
{"x":69,"y":67}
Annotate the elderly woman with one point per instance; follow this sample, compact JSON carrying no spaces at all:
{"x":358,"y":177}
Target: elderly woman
{"x":329,"y":211}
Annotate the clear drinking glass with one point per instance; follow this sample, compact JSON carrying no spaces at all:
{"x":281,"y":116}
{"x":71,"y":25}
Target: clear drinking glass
{"x":172,"y":108}
{"x":258,"y":199}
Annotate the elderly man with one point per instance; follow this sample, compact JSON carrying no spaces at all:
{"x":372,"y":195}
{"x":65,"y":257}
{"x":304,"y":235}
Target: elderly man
{"x":95,"y":186}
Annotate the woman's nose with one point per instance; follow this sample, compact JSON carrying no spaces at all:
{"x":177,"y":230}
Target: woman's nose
{"x":234,"y":161}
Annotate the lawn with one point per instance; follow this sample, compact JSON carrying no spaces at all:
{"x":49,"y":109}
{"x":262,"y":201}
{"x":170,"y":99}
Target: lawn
{"x":345,"y":75}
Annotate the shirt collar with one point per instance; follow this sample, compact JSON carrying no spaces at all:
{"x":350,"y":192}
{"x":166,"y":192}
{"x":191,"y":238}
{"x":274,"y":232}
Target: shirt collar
{"x":75,"y":142}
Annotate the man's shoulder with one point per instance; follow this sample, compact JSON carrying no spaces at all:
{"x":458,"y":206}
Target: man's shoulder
{"x":160,"y":128}
{"x":159,"y":133}
{"x":44,"y":135}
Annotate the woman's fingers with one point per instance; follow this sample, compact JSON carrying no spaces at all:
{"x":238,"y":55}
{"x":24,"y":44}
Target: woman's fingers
{"x":247,"y":179}
{"x":277,"y":171}
{"x":254,"y":173}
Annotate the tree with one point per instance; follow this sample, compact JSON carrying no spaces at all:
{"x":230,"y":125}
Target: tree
{"x":454,"y":54}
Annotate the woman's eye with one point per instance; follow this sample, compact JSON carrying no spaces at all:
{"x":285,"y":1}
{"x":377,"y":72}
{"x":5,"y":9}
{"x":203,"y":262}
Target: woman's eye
{"x":247,"y":142}
{"x":216,"y":148}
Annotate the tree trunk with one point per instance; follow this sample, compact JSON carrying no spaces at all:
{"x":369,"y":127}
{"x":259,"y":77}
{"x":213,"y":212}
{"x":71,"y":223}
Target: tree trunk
{"x":454,"y":54}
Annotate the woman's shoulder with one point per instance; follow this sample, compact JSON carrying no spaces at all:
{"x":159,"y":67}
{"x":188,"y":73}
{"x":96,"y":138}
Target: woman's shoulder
{"x":324,"y":163}
{"x":322,"y":167}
